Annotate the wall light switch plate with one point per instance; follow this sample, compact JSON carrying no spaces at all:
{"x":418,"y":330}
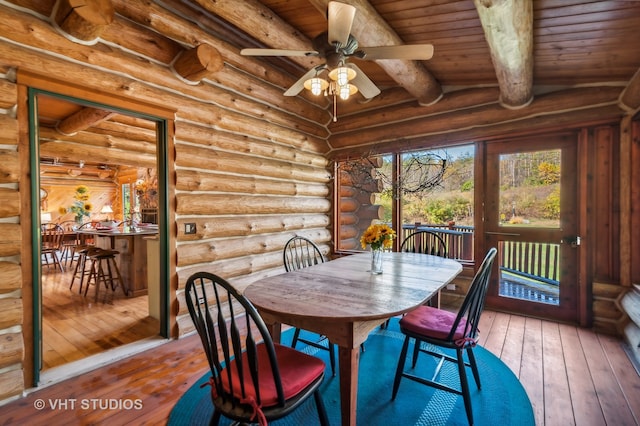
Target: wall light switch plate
{"x":189,"y":228}
{"x":451,"y":287}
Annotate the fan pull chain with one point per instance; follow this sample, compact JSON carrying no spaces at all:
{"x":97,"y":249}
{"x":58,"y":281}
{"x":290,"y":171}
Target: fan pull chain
{"x":335,"y":108}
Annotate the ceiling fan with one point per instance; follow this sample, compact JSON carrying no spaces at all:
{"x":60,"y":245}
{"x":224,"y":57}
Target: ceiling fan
{"x":336,"y":46}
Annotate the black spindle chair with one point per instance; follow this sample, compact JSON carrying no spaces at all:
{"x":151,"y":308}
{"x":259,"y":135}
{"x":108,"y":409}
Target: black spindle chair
{"x":448,"y":330}
{"x":253,"y":379}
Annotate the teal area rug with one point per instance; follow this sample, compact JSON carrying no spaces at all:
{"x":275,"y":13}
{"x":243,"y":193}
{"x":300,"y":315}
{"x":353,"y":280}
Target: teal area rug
{"x":501,"y":401}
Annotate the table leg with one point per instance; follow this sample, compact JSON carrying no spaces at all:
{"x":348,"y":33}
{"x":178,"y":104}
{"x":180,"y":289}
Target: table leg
{"x":275,"y":330}
{"x":348,"y":361}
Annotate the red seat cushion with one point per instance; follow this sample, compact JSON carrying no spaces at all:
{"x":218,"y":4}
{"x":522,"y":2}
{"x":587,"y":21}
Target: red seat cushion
{"x":297,"y":371}
{"x":432,"y":322}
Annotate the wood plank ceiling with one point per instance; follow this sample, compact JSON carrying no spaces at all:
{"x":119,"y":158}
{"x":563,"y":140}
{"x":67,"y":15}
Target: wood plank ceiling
{"x":494,"y":62}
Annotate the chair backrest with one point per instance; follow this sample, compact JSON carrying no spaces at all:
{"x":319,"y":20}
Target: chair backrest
{"x":425,"y":242}
{"x":226,"y":322}
{"x":300,"y":252}
{"x":52,"y":236}
{"x":473,"y":303}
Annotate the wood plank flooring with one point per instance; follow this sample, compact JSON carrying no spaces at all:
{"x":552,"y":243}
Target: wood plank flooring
{"x":573,"y":376}
{"x":75,"y":326}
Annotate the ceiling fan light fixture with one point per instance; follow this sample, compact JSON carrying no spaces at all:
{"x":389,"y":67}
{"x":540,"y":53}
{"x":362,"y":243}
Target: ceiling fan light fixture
{"x":347,"y":90}
{"x":316,"y":85}
{"x":342,"y":75}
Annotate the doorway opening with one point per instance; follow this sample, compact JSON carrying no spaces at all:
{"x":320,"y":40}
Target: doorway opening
{"x":82,"y":156}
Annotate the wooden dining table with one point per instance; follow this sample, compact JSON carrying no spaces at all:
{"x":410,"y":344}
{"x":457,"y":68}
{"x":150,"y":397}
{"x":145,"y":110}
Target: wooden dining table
{"x":342,"y":300}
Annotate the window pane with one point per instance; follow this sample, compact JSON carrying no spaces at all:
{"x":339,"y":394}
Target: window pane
{"x":436,"y":189}
{"x":530,"y":189}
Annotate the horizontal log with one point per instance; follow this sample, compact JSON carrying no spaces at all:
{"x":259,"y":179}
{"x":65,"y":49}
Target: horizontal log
{"x":348,"y":232}
{"x":189,"y":180}
{"x":350,"y":205}
{"x":567,"y":120}
{"x":350,"y":244}
{"x":11,"y":383}
{"x":579,"y":99}
{"x":198,"y":62}
{"x":230,"y":162}
{"x":458,"y":100}
{"x":9,"y":202}
{"x":173,"y":26}
{"x":194,"y":133}
{"x":226,"y":204}
{"x":9,"y":126}
{"x":134,"y":142}
{"x":257,"y":119}
{"x":10,"y":312}
{"x":11,"y":274}
{"x":9,"y":166}
{"x":98,"y":154}
{"x":10,"y":244}
{"x":84,"y":19}
{"x":217,"y":227}
{"x":11,"y":349}
{"x":8,"y":94}
{"x":229,"y":248}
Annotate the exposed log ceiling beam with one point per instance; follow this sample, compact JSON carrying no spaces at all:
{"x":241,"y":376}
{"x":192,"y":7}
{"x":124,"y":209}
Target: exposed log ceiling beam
{"x":368,"y":27}
{"x":630,"y":98}
{"x":508,"y":28}
{"x":83,"y":119}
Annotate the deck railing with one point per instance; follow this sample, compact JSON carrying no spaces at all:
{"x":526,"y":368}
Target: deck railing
{"x":536,"y":261}
{"x":458,"y":239}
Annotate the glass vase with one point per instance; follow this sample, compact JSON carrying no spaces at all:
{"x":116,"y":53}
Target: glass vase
{"x":376,"y":261}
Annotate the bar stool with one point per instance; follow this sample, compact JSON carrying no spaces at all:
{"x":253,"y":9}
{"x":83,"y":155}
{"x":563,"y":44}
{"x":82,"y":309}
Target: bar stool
{"x":81,"y":270}
{"x":104,"y":270}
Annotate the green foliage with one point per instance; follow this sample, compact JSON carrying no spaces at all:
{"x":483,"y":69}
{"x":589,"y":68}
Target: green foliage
{"x":551,"y":207}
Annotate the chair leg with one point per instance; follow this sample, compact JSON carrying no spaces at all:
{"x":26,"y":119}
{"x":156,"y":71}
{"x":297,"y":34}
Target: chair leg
{"x":332,"y":357}
{"x":400,"y":368}
{"x":215,"y":419}
{"x":296,"y":334}
{"x":473,"y":365}
{"x":416,"y":352}
{"x":464,"y":385}
{"x":322,"y":412}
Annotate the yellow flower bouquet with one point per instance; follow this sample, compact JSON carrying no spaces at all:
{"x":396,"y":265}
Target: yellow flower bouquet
{"x":379,"y":236}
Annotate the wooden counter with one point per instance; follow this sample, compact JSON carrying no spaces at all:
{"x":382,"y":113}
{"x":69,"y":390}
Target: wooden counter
{"x":132,"y":257}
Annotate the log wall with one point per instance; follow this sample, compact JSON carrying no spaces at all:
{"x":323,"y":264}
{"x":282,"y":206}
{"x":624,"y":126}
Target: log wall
{"x":250,"y":170}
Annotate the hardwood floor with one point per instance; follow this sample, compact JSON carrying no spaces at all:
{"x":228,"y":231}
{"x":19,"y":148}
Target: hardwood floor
{"x":573,"y":376}
{"x":75,"y":326}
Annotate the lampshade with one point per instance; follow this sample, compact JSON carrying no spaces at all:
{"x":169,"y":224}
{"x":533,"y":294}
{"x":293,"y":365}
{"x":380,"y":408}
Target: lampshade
{"x":106,"y":209}
{"x":316,"y":85}
{"x":347,"y":90}
{"x":342,"y":75}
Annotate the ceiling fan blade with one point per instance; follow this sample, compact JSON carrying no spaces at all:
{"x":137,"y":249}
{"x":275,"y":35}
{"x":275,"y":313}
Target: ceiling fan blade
{"x":340,"y":17}
{"x":277,"y":52}
{"x":410,"y":51}
{"x":299,"y":85}
{"x":363,"y":83}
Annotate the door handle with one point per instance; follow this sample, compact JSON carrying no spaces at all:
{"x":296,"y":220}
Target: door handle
{"x":572,"y":241}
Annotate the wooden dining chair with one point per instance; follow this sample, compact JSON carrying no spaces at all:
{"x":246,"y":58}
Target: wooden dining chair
{"x":300,"y":252}
{"x":425,"y":242}
{"x":264,"y":382}
{"x":447,"y":330}
{"x":52,"y":235}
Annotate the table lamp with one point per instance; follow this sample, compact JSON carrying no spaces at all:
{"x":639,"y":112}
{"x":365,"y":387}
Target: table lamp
{"x":106,"y":210}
